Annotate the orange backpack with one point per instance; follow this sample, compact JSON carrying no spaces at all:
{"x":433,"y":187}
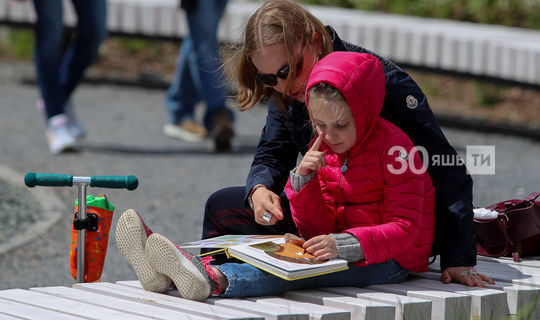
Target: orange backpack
{"x":99,"y":212}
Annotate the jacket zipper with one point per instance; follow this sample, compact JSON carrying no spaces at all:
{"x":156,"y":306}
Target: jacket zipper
{"x":343,"y":169}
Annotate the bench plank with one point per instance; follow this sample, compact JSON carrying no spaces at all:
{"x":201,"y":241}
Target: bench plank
{"x":522,"y":275}
{"x":520,"y":297}
{"x":168,"y":301}
{"x":486,"y":303}
{"x":315,"y":311}
{"x":446,"y":305}
{"x":269,"y":312}
{"x":71,"y":307}
{"x":361,"y":309}
{"x":407,"y":308}
{"x":20,"y":310}
{"x":118,"y":304}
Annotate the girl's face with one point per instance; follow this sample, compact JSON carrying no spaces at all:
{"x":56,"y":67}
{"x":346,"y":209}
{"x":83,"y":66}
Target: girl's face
{"x":334,"y":121}
{"x":273,"y":67}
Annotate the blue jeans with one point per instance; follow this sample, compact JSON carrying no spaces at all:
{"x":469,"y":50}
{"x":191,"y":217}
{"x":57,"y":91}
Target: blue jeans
{"x":198,"y":77}
{"x":246,"y":280}
{"x":59,"y":74}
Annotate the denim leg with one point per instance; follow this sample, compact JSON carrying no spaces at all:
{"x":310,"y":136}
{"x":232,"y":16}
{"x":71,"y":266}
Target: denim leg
{"x":246,"y":280}
{"x":90,"y":33}
{"x":203,"y":24}
{"x":183,"y":94}
{"x":48,"y":54}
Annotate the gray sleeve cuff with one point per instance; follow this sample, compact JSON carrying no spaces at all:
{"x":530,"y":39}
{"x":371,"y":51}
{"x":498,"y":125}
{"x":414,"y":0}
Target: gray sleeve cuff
{"x":348,"y":247}
{"x":298,"y":181}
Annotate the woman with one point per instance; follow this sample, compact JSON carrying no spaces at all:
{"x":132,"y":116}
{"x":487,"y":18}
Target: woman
{"x":282,"y":43}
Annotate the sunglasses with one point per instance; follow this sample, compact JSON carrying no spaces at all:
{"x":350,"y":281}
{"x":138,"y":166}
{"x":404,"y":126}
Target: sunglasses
{"x":270,"y":80}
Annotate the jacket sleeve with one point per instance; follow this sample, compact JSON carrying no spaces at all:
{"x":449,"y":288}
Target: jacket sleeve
{"x":275,"y":156}
{"x":401,"y":210}
{"x":454,"y":238}
{"x":312,"y":210}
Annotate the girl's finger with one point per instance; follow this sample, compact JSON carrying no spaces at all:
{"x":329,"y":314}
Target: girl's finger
{"x":316,"y":144}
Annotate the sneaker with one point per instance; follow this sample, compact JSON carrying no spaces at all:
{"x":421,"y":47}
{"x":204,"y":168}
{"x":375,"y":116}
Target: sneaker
{"x":131,"y":236}
{"x":222,"y":132}
{"x":58,"y":135}
{"x":74,"y":126}
{"x":187,"y":130}
{"x":193,"y":276}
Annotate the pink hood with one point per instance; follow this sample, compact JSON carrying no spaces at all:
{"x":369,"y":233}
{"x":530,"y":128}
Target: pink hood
{"x":344,"y":70}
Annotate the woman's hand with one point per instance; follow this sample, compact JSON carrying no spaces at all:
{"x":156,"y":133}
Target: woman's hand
{"x":322,"y":247}
{"x":266,"y":202}
{"x":465,"y":275}
{"x":313,"y":159}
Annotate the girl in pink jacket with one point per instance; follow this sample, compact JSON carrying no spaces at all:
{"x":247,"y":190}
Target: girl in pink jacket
{"x":361,"y":192}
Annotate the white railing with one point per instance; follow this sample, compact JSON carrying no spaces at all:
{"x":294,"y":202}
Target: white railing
{"x":478,"y":49}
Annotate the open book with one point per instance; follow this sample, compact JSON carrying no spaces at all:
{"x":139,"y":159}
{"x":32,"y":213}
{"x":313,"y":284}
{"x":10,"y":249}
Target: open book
{"x":272,"y":254}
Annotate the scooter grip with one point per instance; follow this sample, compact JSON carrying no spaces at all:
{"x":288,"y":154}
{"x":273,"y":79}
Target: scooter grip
{"x":32,"y":179}
{"x":118,"y":182}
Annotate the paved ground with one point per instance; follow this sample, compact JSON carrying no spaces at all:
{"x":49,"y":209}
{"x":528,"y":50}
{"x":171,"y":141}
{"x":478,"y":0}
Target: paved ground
{"x":124,"y":126}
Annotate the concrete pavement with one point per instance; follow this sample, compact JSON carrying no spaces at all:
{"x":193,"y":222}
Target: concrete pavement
{"x":175,"y":178}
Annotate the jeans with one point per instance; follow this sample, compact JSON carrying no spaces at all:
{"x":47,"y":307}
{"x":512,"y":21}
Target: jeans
{"x":246,"y":280}
{"x":59,"y":74}
{"x":198,"y":76}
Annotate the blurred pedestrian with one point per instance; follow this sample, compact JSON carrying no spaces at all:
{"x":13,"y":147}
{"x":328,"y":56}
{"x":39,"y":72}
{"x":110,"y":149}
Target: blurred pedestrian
{"x":59,"y":72}
{"x":199,"y":78}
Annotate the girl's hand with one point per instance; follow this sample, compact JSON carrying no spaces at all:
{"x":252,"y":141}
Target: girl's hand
{"x":294,"y":239}
{"x":322,"y":247}
{"x":313,"y":159}
{"x":265,"y":201}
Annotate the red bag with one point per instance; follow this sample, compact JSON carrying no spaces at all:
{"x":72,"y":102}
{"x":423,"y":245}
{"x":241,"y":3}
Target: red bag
{"x":515,"y":231}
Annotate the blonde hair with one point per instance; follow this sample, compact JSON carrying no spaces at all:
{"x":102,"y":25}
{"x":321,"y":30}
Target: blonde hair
{"x":330,"y":95}
{"x":275,"y":22}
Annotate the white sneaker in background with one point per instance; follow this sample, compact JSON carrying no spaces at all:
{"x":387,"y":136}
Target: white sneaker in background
{"x":58,"y":134}
{"x":74,"y":126}
{"x":187,"y":130}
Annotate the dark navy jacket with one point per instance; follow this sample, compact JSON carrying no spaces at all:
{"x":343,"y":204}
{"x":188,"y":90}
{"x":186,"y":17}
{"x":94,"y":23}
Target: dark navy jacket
{"x":285,"y":135}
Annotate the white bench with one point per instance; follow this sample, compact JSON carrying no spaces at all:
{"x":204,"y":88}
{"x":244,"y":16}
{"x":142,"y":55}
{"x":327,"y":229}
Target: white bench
{"x":483,"y":50}
{"x":422,"y":296}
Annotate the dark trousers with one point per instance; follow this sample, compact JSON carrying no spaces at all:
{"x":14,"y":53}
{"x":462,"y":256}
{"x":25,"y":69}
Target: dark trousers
{"x":226,"y":213}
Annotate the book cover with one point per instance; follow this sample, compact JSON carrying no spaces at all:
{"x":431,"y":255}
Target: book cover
{"x":272,"y":254}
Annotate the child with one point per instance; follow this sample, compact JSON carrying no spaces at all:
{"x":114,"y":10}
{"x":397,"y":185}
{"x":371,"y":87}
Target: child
{"x":350,"y":197}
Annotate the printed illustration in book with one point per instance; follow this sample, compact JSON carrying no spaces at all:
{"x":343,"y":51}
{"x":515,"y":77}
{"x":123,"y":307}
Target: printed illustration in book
{"x":271,"y":253}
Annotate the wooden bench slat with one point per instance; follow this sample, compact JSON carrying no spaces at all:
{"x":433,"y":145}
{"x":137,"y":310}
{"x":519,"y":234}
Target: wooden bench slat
{"x":486,"y":303}
{"x":268,"y":312}
{"x":315,"y":311}
{"x":359,"y":308}
{"x":115,"y":303}
{"x":521,"y":275}
{"x":25,"y":311}
{"x":406,"y":307}
{"x":445,"y":305}
{"x":166,"y":300}
{"x":71,"y":307}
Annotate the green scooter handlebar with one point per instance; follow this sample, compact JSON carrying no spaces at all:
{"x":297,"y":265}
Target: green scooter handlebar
{"x":66,"y":180}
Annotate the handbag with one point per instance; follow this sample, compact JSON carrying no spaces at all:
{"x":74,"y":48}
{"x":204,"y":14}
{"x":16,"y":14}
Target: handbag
{"x":515,"y":231}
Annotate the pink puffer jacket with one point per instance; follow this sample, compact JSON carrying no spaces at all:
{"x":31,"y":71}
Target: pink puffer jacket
{"x":390,"y":212}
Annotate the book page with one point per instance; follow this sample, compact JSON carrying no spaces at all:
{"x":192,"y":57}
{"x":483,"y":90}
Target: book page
{"x":273,"y":253}
{"x":228,"y":241}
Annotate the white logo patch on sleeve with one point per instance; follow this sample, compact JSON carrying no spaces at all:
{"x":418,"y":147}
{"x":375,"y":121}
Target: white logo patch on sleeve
{"x":412,"y":102}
